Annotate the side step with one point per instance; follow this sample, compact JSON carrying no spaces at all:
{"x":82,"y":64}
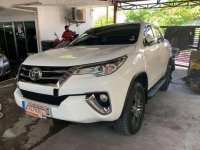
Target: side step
{"x":155,"y":88}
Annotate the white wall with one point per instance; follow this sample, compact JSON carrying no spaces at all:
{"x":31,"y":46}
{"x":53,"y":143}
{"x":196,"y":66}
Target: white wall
{"x":50,"y":19}
{"x":88,"y":21}
{"x":53,"y":19}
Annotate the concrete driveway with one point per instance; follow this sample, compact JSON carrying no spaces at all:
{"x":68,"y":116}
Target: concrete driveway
{"x":172,"y":122}
{"x":19,"y":131}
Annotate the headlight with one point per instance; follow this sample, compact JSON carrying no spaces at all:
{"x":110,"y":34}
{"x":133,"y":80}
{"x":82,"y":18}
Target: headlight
{"x":103,"y":68}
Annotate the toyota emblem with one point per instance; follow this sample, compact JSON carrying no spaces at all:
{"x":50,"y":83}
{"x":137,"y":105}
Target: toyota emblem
{"x":35,"y":74}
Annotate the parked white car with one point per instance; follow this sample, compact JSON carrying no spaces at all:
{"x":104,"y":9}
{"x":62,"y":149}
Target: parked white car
{"x":106,"y":74}
{"x":4,"y":65}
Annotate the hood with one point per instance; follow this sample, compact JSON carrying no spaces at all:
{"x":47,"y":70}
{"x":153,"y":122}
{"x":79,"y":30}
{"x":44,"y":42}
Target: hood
{"x":77,"y":55}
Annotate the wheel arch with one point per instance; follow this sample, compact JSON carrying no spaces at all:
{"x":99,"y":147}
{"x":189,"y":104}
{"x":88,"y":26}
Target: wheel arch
{"x":142,"y":78}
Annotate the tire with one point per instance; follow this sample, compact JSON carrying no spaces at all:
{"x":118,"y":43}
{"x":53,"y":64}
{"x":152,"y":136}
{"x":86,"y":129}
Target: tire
{"x":132,"y":116}
{"x":165,"y":85}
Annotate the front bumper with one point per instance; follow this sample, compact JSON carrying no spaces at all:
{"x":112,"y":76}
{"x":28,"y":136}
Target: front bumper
{"x":75,"y":107}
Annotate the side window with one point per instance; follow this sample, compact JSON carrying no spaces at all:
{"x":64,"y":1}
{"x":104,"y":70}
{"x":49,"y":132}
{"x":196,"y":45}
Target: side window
{"x":158,"y":36}
{"x":149,"y":38}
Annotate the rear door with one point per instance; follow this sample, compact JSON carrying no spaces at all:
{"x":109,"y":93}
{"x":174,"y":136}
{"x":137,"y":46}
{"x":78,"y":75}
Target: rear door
{"x":163,"y":50}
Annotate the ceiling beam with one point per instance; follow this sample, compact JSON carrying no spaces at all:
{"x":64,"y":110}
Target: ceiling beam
{"x":10,"y":3}
{"x":159,"y":4}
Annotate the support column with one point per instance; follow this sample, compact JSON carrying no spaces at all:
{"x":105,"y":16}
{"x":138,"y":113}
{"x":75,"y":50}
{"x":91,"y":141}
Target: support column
{"x":198,"y":48}
{"x":115,"y":12}
{"x":107,"y":15}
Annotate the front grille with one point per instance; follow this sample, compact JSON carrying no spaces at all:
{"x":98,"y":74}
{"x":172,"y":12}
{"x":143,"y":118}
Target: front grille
{"x":50,"y":75}
{"x":48,"y":99}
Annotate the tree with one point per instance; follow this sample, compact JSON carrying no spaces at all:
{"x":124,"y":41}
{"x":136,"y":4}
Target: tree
{"x":164,"y":16}
{"x":101,"y":21}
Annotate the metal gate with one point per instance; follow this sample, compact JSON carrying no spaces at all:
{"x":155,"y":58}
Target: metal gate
{"x":188,"y":40}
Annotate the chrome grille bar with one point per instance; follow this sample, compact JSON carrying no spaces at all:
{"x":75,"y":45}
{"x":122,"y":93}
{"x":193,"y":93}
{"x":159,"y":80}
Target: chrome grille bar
{"x":50,"y":75}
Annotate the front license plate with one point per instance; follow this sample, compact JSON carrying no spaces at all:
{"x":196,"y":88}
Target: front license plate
{"x":37,"y":110}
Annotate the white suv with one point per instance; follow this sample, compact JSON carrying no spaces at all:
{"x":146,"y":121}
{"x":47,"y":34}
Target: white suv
{"x":106,"y":74}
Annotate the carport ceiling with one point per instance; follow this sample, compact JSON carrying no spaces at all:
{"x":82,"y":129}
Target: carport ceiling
{"x":75,"y":2}
{"x":12,"y":3}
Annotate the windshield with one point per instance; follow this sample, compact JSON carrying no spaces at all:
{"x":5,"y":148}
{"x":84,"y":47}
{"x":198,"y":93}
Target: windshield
{"x":109,"y":35}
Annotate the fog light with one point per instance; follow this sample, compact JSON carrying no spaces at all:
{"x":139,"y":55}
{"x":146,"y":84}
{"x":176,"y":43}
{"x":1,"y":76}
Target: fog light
{"x":104,"y":98}
{"x":99,"y":102}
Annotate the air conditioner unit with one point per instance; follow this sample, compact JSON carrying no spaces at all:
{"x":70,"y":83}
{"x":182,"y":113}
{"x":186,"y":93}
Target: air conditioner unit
{"x":77,"y":15}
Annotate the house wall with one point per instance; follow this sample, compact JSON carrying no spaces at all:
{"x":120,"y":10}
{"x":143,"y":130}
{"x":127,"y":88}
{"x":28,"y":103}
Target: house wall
{"x":49,"y":19}
{"x":52,"y":19}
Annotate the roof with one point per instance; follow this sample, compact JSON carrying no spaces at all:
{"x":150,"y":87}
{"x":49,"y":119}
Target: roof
{"x":12,"y":3}
{"x":122,"y":24}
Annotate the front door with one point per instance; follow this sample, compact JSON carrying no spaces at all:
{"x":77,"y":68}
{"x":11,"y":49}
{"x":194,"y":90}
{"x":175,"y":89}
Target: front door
{"x":152,"y":55}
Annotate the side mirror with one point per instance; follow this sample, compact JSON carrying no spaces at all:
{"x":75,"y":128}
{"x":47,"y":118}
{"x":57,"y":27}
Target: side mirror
{"x":160,"y":39}
{"x":149,"y":39}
